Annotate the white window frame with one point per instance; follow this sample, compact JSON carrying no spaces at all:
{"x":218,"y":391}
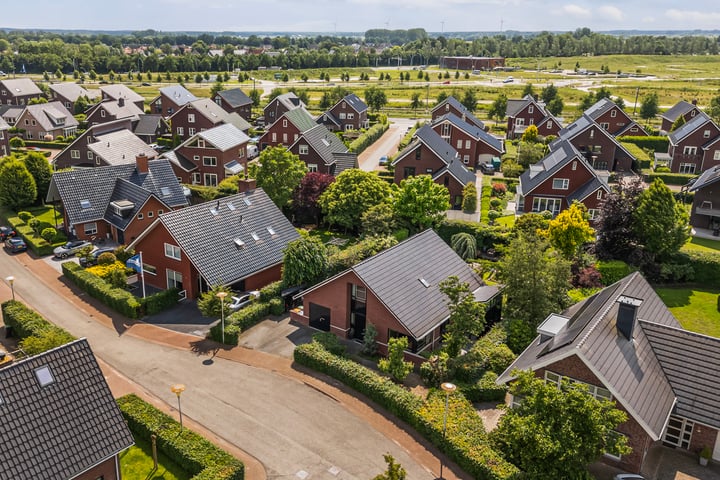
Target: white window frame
{"x":191,"y":118}
{"x":341,"y":116}
{"x":90,"y":228}
{"x":89,"y":155}
{"x":171,"y":277}
{"x":180,"y":131}
{"x":689,"y":150}
{"x":549,"y":125}
{"x":688,"y":168}
{"x":445,"y":130}
{"x":459,"y":144}
{"x":706,"y":134}
{"x":613,"y":113}
{"x":519,"y":122}
{"x":150,"y":214}
{"x":102,"y":113}
{"x":172,"y":251}
{"x":531,"y":109}
{"x":564,"y":183}
{"x":605,"y":126}
{"x":140,"y":216}
{"x":312,"y":167}
{"x":467,"y":144}
{"x":716,"y":155}
{"x":196,"y":178}
{"x":201,"y":143}
{"x":592,"y":213}
{"x":599,"y":194}
{"x":466,"y":159}
{"x":75,"y":154}
{"x":209,"y":161}
{"x":599,"y":393}
{"x":210,"y":179}
{"x":303,"y":149}
{"x":274,"y":137}
{"x":191,"y":131}
{"x":540,"y":204}
{"x":284,"y":124}
{"x":350,"y":116}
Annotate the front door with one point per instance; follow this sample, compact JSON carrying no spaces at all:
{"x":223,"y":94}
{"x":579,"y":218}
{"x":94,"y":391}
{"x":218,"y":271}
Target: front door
{"x":678,"y":432}
{"x":319,"y":317}
{"x":358,"y":311}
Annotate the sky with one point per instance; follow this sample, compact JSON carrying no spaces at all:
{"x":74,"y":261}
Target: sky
{"x":360,"y":15}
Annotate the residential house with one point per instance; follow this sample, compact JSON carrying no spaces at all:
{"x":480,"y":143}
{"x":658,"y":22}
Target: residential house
{"x":694,"y":147}
{"x":601,"y":150}
{"x":68,"y":93}
{"x":350,"y":113}
{"x":705,"y":213}
{"x":235,"y":100}
{"x":322,"y":151}
{"x":202,"y":114}
{"x":429,"y":154}
{"x":397,"y":292}
{"x":46,"y":121}
{"x":150,"y":127}
{"x":236,"y":241}
{"x":111,"y":110}
{"x":18,"y":91}
{"x":527,"y":111}
{"x":76,"y":153}
{"x":117,"y":148}
{"x":452,"y":105}
{"x":115,"y":201}
{"x":118,"y":91}
{"x":559,"y":179}
{"x":209,"y":156}
{"x":686,"y":109}
{"x":625,"y":346}
{"x":474,"y":145}
{"x":64,"y":421}
{"x":287,"y":129}
{"x":279,"y":105}
{"x":10,"y":113}
{"x":4,"y":138}
{"x":170,"y":100}
{"x":614,"y":120}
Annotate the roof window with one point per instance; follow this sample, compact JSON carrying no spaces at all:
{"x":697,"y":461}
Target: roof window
{"x":425,"y":283}
{"x":84,"y":204}
{"x":44,"y":376}
{"x":255,"y":236}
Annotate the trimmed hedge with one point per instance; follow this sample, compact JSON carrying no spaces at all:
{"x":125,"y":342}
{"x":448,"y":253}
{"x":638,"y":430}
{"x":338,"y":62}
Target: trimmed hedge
{"x":270,"y":291}
{"x":484,"y":390}
{"x":612,"y":271}
{"x":27,"y":324}
{"x":190,"y":451}
{"x":160,"y":301}
{"x":118,"y":299}
{"x":486,"y":236}
{"x":670,"y":178}
{"x":368,"y":138}
{"x":706,"y":267}
{"x":641,"y":155}
{"x":658,"y":143}
{"x":37,"y":244}
{"x":463,"y":444}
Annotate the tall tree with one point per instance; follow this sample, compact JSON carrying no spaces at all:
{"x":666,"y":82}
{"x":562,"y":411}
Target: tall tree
{"x":306,"y":196}
{"x":375,"y":98}
{"x":351,"y":194}
{"x":586,"y":102}
{"x":570,"y":230}
{"x":17,"y":186}
{"x":528,"y":90}
{"x":714,"y":108}
{"x":279,"y":173}
{"x":467,"y":316}
{"x":39,"y":168}
{"x":304,"y":262}
{"x":498,"y":109}
{"x":415,"y":102}
{"x":616,"y":237}
{"x":649,"y":107}
{"x":602,"y":92}
{"x":555,"y":106}
{"x":469,"y":100}
{"x":421,"y":202}
{"x":660,"y":222}
{"x":557,"y":431}
{"x":549,"y":93}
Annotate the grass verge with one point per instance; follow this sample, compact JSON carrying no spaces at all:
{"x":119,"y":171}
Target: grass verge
{"x":136,"y":463}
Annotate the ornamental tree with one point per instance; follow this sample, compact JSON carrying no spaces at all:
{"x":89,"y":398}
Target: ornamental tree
{"x":498,"y":109}
{"x":304,"y":261}
{"x":375,"y":98}
{"x":17,"y":186}
{"x":421,"y":202}
{"x":570,"y":230}
{"x":210,"y":305}
{"x":279,"y":173}
{"x":395,"y":364}
{"x":40,"y":169}
{"x":306,"y":195}
{"x":660,"y":223}
{"x":616,"y":237}
{"x":467,"y":316}
{"x":351,"y":194}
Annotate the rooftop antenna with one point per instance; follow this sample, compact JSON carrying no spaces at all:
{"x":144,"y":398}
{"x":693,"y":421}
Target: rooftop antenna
{"x":501,"y":25}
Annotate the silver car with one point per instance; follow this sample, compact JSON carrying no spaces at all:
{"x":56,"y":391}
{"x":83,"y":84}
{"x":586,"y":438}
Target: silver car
{"x":70,"y":248}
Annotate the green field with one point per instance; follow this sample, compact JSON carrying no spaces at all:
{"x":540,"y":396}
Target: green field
{"x":696,"y":308}
{"x":702,"y":245}
{"x":136,"y":463}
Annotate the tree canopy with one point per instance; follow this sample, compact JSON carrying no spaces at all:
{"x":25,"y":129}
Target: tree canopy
{"x":375,"y":98}
{"x":660,"y":223}
{"x":279,"y":173}
{"x":17,"y":186}
{"x":649,"y":107}
{"x":616,"y":237}
{"x":40,"y":169}
{"x":421,"y":202}
{"x":351,"y":194}
{"x":498,"y":109}
{"x":304,"y":261}
{"x":307,"y":194}
{"x":570,"y":230}
{"x":467,"y":316}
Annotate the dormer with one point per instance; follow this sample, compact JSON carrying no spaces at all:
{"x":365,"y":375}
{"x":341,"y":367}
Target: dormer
{"x":551,"y":326}
{"x":122,"y":208}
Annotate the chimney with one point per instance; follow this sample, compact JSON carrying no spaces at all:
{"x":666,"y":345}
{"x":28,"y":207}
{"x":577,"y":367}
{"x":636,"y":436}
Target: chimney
{"x":141,"y":163}
{"x":627,"y":315}
{"x":121,"y":102}
{"x":694,"y":101}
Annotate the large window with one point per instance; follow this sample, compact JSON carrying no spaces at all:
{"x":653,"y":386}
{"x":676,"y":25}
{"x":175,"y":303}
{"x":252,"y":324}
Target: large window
{"x":689,"y":150}
{"x":445,"y":130}
{"x":541,"y":204}
{"x":599,"y":393}
{"x":561,"y":183}
{"x":210,"y":179}
{"x":303,"y":149}
{"x":90,"y":228}
{"x":174,"y":279}
{"x":210,"y":161}
{"x":312,"y":167}
{"x":687,"y":168}
{"x":74,"y":153}
{"x":172,"y":251}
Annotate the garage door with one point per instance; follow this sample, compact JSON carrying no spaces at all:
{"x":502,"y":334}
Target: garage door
{"x":319,"y":317}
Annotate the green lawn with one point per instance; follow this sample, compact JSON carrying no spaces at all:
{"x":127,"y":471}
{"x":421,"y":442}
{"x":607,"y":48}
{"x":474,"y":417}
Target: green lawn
{"x":45,"y":213}
{"x":696,"y":309}
{"x":136,"y":463}
{"x":702,"y":245}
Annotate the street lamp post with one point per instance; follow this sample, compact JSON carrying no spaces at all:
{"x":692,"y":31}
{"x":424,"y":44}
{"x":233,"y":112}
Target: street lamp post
{"x":448,"y":388}
{"x":221,"y":296}
{"x":177,"y":389}
{"x":11,"y":281}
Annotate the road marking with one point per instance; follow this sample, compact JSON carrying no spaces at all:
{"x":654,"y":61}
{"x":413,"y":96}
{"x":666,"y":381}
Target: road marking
{"x":302,"y":474}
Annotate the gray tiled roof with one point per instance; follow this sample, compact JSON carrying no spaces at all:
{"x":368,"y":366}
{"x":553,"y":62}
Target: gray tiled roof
{"x":118,"y":90}
{"x":582,"y":124}
{"x":64,"y":428}
{"x":148,"y":124}
{"x":96,"y":185}
{"x":514,"y":105}
{"x":599,"y":108}
{"x":708,"y":177}
{"x":680,"y":108}
{"x":455,"y":103}
{"x":691,"y":363}
{"x":355,"y":102}
{"x":130,"y":192}
{"x":233,"y":118}
{"x":328,"y":116}
{"x":209,"y":109}
{"x":21,"y":86}
{"x":52,"y":115}
{"x":562,"y":152}
{"x":345,"y":161}
{"x":95,"y":130}
{"x":290,"y":100}
{"x":223,"y":137}
{"x":178,"y":94}
{"x":587,"y":189}
{"x":72,"y":91}
{"x":430,"y":138}
{"x":457,"y":170}
{"x":472,"y":130}
{"x":127,"y":110}
{"x":688,"y":128}
{"x":235,"y":97}
{"x":11,"y":112}
{"x":120,"y":146}
{"x":180,"y":160}
{"x":301,"y":118}
{"x":629,"y":369}
{"x":323,"y":141}
{"x":214,"y":253}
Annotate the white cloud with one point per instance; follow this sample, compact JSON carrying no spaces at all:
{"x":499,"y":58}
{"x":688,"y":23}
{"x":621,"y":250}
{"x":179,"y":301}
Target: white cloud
{"x":693,"y":18}
{"x":575,"y":11}
{"x":610,"y":13}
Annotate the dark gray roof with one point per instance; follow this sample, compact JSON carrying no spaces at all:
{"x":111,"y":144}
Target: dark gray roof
{"x":234,"y":119}
{"x":64,"y":428}
{"x":562,"y":152}
{"x":469,"y":117}
{"x":514,"y":106}
{"x":178,"y":94}
{"x":148,"y":124}
{"x":345,"y":161}
{"x":457,"y":170}
{"x":215,"y":253}
{"x":587,"y":188}
{"x":688,"y":128}
{"x":96,"y":186}
{"x":582,"y":124}
{"x":708,"y":177}
{"x":127,"y":110}
{"x":355,"y":102}
{"x":290,"y":100}
{"x":472,"y":130}
{"x":118,"y":90}
{"x":599,"y":108}
{"x":691,"y":363}
{"x":72,"y":91}
{"x":328,"y":116}
{"x":680,"y":108}
{"x":21,"y":86}
{"x":235,"y":97}
{"x":323,"y":141}
{"x":180,"y":160}
{"x":629,"y":369}
{"x":430,"y":138}
{"x":301,"y":118}
{"x":126,"y":191}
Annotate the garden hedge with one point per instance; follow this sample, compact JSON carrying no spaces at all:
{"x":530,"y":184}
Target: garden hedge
{"x":670,"y":178}
{"x":706,"y":267}
{"x":37,"y":244}
{"x":612,"y":271}
{"x":26,"y":323}
{"x":368,"y":138}
{"x":118,"y":299}
{"x":190,"y":451}
{"x":270,"y":291}
{"x":161,"y":301}
{"x":657,"y":144}
{"x":486,"y":236}
{"x":466,"y":442}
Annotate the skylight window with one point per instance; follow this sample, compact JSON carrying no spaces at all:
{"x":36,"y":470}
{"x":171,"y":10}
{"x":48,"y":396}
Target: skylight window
{"x":165,"y":191}
{"x":247,"y":201}
{"x":255,"y":236}
{"x":271,"y":231}
{"x":2,"y":400}
{"x":238,"y":243}
{"x":44,"y":376}
{"x":231,"y":206}
{"x":425,"y":283}
{"x":84,"y":204}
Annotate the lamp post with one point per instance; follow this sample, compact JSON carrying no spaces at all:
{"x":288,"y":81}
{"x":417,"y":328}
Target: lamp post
{"x":177,"y":389}
{"x":221,"y":296}
{"x":11,"y":281}
{"x":448,"y":388}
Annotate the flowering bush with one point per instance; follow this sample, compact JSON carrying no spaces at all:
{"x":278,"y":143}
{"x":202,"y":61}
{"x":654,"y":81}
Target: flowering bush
{"x":499,"y":189}
{"x":105,"y":271}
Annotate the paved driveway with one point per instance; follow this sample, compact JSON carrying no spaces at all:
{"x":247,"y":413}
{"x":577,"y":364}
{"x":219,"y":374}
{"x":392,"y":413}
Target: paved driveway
{"x":385,"y":145}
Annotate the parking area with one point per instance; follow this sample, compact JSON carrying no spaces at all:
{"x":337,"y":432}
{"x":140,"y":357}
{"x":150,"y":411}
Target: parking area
{"x":663,"y":463}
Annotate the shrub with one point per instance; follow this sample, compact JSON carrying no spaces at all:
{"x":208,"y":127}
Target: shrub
{"x":612,"y":271}
{"x":105,"y":270}
{"x":160,"y":301}
{"x":588,"y":277}
{"x":107,"y":258}
{"x":271,"y":291}
{"x":48,"y":234}
{"x":189,"y":450}
{"x":494,"y":215}
{"x":37,"y":335}
{"x":276,"y":306}
{"x":369,"y":343}
{"x":485,"y":389}
{"x":232,"y":333}
{"x":658,"y":143}
{"x":670,"y":178}
{"x":469,"y":201}
{"x":330,"y":342}
{"x":486,"y":236}
{"x":249,"y":316}
{"x":662,"y":170}
{"x":464,"y":245}
{"x":395,"y":364}
{"x":118,"y":299}
{"x":435,"y":370}
{"x":499,"y":189}
{"x":354,"y":254}
{"x":25,"y":216}
{"x":511,"y":169}
{"x":496,"y":204}
{"x":368,"y":138}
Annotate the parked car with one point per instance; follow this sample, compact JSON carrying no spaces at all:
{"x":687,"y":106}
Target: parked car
{"x":6,"y":232}
{"x":487,"y":168}
{"x":446,"y":82}
{"x":15,"y":245}
{"x":92,"y":259}
{"x":70,"y":248}
{"x":628,"y":476}
{"x":242,"y":300}
{"x":509,"y":80}
{"x":383,"y":160}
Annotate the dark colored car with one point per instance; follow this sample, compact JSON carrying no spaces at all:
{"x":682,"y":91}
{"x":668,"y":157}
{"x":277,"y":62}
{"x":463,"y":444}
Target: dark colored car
{"x":6,"y":232}
{"x":70,"y":248}
{"x":487,"y":167}
{"x":92,"y":259}
{"x":15,"y":245}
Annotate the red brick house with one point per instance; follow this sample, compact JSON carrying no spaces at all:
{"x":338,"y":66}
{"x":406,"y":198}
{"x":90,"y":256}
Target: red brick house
{"x":199,"y":115}
{"x":280,"y":105}
{"x":102,"y":147}
{"x":429,"y":154}
{"x":76,"y":154}
{"x":119,"y":91}
{"x":322,"y":151}
{"x":287,"y":129}
{"x":559,"y":179}
{"x":4,"y":138}
{"x":149,"y":127}
{"x":396,"y":291}
{"x":18,"y":91}
{"x":68,"y":93}
{"x":474,"y":145}
{"x":46,"y":121}
{"x":350,"y":113}
{"x":626,"y":346}
{"x":600,"y":149}
{"x":64,"y":420}
{"x":235,"y":100}
{"x":694,"y":147}
{"x":705,"y":213}
{"x":117,"y":201}
{"x":210,"y":156}
{"x":452,"y":105}
{"x":241,"y":245}
{"x":111,"y":110}
{"x":686,"y":109}
{"x":170,"y":100}
{"x":614,"y":120}
{"x":528,"y":111}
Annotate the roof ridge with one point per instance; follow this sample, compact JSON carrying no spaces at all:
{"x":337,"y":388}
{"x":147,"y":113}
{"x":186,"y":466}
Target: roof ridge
{"x":609,"y":304}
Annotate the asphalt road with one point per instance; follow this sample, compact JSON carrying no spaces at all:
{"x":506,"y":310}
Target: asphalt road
{"x":295,"y":431}
{"x":385,"y":145}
